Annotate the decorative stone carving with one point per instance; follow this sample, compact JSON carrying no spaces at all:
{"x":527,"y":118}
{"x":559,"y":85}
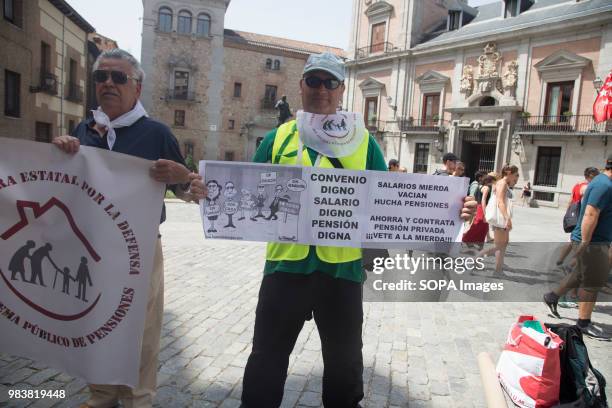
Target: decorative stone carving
{"x":509,"y":79}
{"x":488,"y":76}
{"x":467,"y":81}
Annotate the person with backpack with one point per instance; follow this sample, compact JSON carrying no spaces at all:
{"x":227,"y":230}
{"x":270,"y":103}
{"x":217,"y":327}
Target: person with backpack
{"x":569,"y":223}
{"x":591,"y":239}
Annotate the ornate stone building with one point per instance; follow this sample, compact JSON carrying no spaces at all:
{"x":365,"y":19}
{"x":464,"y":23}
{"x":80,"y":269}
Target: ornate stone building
{"x":214,"y":86}
{"x":43,"y":68}
{"x":511,"y":81}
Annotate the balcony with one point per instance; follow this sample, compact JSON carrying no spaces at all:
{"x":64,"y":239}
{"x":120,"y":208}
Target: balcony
{"x":427,"y":125}
{"x":376,"y":126}
{"x":267,"y":104}
{"x":48,"y":84}
{"x":74,"y":92}
{"x":566,"y":124}
{"x":180,"y":95}
{"x":375,"y":49}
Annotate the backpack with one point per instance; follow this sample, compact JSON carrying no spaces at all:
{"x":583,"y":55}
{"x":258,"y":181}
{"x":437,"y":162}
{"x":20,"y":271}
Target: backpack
{"x":570,"y":219}
{"x":581,"y":384}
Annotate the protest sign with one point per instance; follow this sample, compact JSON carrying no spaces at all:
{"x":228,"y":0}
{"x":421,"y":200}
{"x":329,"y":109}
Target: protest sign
{"x":77,"y":241}
{"x":335,"y":207}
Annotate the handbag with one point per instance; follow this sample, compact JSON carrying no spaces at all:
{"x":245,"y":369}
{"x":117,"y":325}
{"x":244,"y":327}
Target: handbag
{"x":492,"y":214}
{"x":529,"y":367}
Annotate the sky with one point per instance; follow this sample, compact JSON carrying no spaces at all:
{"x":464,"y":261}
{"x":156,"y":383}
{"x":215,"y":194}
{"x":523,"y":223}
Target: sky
{"x":295,"y":19}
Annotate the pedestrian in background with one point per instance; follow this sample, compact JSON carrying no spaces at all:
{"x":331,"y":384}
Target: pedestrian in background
{"x":501,"y":209}
{"x":591,"y":238}
{"x":526,"y":194}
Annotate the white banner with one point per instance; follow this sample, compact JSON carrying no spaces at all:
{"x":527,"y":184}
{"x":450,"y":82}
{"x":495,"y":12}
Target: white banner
{"x":77,"y":241}
{"x":335,"y":207}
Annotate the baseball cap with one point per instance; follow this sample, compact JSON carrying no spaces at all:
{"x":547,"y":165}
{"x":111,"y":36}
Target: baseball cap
{"x":327,"y":62}
{"x":449,"y":157}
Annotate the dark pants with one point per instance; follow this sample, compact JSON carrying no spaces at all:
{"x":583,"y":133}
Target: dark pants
{"x":286,"y":301}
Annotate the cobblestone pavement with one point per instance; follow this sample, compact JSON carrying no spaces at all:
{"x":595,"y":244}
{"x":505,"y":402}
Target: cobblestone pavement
{"x":415,"y":354}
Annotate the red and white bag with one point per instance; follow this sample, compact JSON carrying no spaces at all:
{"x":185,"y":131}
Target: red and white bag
{"x":529,"y":366}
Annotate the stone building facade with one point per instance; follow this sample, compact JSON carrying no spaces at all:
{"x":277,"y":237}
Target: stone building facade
{"x":43,"y":68}
{"x":513,"y":81}
{"x":215,"y":87}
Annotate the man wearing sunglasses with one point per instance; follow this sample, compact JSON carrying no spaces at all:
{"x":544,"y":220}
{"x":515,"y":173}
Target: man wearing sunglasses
{"x":121,"y":124}
{"x":300,"y":281}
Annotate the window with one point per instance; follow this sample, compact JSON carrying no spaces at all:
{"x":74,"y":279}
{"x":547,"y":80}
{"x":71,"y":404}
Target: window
{"x":165,"y":20}
{"x":276,"y":65}
{"x":184,"y":22}
{"x":229,"y":156}
{"x":203,"y":25}
{"x":547,"y":166}
{"x":269,"y":63}
{"x":45,"y":59}
{"x":512,"y":8}
{"x":70,"y":126}
{"x":421,"y":158}
{"x":270,"y":94}
{"x":371,"y":107}
{"x":431,"y":109}
{"x":454,"y":20}
{"x":188,"y":149}
{"x":12,"y":84}
{"x":237,"y":89}
{"x":43,"y":132}
{"x":74,"y":93}
{"x":181,"y":84}
{"x":377,"y":41}
{"x":559,"y":101}
{"x":179,"y":118}
{"x":9,"y":10}
{"x":231,"y":123}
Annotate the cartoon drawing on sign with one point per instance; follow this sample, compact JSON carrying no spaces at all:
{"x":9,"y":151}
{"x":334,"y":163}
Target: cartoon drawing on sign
{"x":260,"y":201}
{"x":288,"y":229}
{"x":230,"y":206}
{"x":212,"y":209}
{"x":16,"y":265}
{"x":36,"y":261}
{"x":278,"y":190}
{"x":246,"y":203}
{"x":82,"y":278}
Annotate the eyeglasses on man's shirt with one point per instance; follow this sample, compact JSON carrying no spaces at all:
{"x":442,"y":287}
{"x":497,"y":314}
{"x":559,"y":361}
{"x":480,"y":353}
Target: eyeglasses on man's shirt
{"x":100,"y":76}
{"x":315,"y":82}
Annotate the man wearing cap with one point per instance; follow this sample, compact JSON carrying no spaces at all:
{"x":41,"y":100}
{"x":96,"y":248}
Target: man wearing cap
{"x":591,"y":237}
{"x":450,"y":161}
{"x":301,"y":281}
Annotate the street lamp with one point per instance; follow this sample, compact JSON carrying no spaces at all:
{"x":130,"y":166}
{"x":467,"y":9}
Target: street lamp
{"x":597,"y":83}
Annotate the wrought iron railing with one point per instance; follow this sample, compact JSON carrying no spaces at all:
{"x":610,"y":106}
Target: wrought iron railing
{"x":267,"y":103}
{"x":421,"y":125}
{"x":375,"y":49}
{"x":562,"y":124}
{"x":74,"y":92}
{"x":376,"y":125}
{"x":180,"y":95}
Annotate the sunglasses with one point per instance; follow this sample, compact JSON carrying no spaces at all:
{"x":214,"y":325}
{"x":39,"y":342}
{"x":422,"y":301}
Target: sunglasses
{"x":315,"y":82}
{"x":100,"y":76}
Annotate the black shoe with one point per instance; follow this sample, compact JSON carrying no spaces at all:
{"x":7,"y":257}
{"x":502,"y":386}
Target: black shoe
{"x":595,"y":332}
{"x":241,"y":218}
{"x":552,"y":306}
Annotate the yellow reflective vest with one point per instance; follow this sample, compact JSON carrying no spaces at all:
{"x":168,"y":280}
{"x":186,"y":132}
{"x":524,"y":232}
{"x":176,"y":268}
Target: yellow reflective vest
{"x":284,"y":151}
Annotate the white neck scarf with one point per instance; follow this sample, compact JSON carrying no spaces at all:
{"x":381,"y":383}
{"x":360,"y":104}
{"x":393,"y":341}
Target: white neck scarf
{"x":337,"y":135}
{"x":127,"y":119}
